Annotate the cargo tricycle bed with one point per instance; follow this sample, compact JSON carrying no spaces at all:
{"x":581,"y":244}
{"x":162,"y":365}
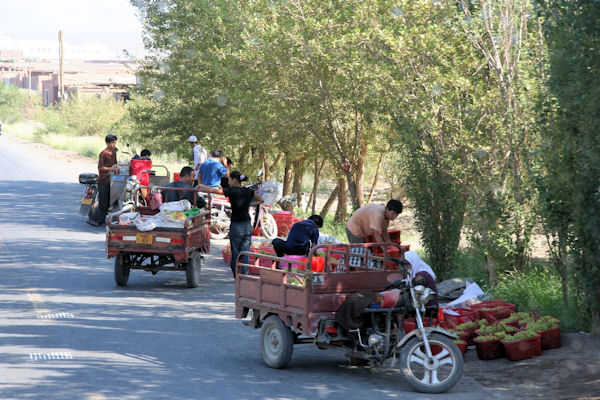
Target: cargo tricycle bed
{"x":300,"y":296}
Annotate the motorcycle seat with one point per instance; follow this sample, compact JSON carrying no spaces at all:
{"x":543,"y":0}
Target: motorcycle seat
{"x":88,"y":178}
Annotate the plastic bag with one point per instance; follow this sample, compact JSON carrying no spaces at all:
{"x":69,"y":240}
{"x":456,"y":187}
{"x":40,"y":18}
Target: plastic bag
{"x":144,"y":224}
{"x":180,"y":205}
{"x":128,"y":218}
{"x":271,"y":192}
{"x":175,"y":216}
{"x":325,"y":238}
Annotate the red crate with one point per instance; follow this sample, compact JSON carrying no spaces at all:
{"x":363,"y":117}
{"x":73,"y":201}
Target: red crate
{"x":550,"y":338}
{"x":284,"y":222}
{"x":410,"y":324}
{"x":522,"y":349}
{"x":489,"y":350}
{"x":497,"y":314}
{"x":394,"y":236}
{"x":464,"y":315}
{"x":317,"y":264}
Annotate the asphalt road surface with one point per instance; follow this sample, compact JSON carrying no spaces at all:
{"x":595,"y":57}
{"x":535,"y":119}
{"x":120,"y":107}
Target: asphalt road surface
{"x":68,"y":332}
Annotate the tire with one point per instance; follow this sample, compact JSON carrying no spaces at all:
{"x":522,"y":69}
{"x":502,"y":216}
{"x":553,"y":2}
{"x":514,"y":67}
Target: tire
{"x":268,"y":226}
{"x":121,"y":271}
{"x":444,"y":370}
{"x":276,"y":342}
{"x":192,"y":270}
{"x":218,"y":228}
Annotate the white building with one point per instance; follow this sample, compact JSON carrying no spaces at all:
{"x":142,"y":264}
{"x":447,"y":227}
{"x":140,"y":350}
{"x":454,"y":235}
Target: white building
{"x":48,"y":50}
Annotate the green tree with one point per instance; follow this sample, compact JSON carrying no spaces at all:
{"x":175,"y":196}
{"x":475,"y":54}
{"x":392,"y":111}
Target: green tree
{"x":571,"y":147}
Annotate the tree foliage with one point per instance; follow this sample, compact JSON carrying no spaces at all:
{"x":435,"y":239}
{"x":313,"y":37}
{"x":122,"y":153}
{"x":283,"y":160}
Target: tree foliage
{"x":489,"y":106}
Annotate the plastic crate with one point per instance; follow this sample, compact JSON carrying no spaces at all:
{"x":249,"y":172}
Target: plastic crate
{"x":489,"y":350}
{"x":522,"y":349}
{"x":317,"y":264}
{"x":550,"y":338}
{"x":497,"y":314}
{"x":394,"y":236}
{"x":464,"y":315}
{"x":410,"y":324}
{"x":284,"y":222}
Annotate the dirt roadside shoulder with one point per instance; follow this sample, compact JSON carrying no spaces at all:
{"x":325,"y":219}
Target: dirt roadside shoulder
{"x":569,"y":372}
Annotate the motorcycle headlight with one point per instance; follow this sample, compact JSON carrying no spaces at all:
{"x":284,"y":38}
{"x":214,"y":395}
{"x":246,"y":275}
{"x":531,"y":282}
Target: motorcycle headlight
{"x":427,"y":295}
{"x":419,"y":289}
{"x":129,"y":186}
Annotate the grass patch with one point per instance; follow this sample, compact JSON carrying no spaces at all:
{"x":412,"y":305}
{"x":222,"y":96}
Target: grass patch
{"x":538,"y":289}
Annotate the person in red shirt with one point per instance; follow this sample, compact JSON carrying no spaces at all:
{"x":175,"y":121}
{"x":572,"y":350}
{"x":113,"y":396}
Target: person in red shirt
{"x":107,"y":162}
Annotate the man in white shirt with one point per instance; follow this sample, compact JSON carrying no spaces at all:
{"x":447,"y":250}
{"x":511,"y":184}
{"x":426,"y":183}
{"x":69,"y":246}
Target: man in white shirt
{"x":200,"y":155}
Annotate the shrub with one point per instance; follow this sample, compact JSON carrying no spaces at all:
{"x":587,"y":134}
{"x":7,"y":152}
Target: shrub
{"x":12,"y":103}
{"x":91,"y":116}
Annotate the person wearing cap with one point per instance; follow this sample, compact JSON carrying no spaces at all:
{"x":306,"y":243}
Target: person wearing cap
{"x":212,"y":170}
{"x":372,"y":220}
{"x":240,"y":228}
{"x":199,"y":155}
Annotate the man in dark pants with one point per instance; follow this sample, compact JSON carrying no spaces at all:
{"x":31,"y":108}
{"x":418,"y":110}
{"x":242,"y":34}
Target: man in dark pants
{"x":303,"y":235}
{"x":107,"y":162}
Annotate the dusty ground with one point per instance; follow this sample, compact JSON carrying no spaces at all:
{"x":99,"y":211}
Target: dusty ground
{"x":570,"y":372}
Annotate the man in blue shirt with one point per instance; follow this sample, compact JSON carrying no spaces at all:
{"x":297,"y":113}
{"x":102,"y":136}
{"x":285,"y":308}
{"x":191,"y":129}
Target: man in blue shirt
{"x":303,"y":235}
{"x":212,"y":170}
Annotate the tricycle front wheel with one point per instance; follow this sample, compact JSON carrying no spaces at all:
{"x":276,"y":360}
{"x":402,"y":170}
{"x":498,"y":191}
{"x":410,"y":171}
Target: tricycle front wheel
{"x":436,"y":374}
{"x":276,"y":342}
{"x":121,"y":271}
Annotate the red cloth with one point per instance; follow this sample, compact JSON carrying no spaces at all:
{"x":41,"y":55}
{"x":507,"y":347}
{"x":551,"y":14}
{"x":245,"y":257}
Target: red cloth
{"x":137,"y":166}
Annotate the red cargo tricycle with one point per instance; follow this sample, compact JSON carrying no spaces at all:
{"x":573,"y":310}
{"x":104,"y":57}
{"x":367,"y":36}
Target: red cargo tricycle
{"x":160,"y":249}
{"x":356,"y":304}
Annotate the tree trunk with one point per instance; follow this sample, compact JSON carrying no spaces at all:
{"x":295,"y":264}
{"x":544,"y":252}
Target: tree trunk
{"x":312,"y":201}
{"x":341,"y":213}
{"x":265,"y":165}
{"x":329,"y":202}
{"x":360,"y":172}
{"x":287,"y":176}
{"x":353,"y":189}
{"x":274,"y":165}
{"x":488,"y":258}
{"x":375,"y":179}
{"x":298,"y":170}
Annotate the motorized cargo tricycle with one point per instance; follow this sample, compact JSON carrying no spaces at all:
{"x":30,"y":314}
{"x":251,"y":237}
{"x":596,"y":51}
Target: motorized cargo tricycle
{"x":353,"y":301}
{"x":171,"y":248}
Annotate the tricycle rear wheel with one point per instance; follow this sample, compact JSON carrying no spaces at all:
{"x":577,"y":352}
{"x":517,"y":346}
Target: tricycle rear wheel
{"x":121,"y":271}
{"x":192,"y":270}
{"x":276,"y":342}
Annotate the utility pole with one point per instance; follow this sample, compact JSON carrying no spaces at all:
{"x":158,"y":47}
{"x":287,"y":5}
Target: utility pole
{"x":60,"y":66}
{"x":29,"y":82}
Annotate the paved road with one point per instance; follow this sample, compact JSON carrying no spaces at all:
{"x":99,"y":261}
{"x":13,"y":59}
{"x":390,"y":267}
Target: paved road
{"x":68,"y":332}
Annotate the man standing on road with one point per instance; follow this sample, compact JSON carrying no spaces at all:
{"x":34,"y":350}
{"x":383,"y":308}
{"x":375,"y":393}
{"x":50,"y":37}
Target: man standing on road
{"x":107,"y":162}
{"x":372,"y":220}
{"x":199,"y":155}
{"x":240,"y":228}
{"x":212,"y":170}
